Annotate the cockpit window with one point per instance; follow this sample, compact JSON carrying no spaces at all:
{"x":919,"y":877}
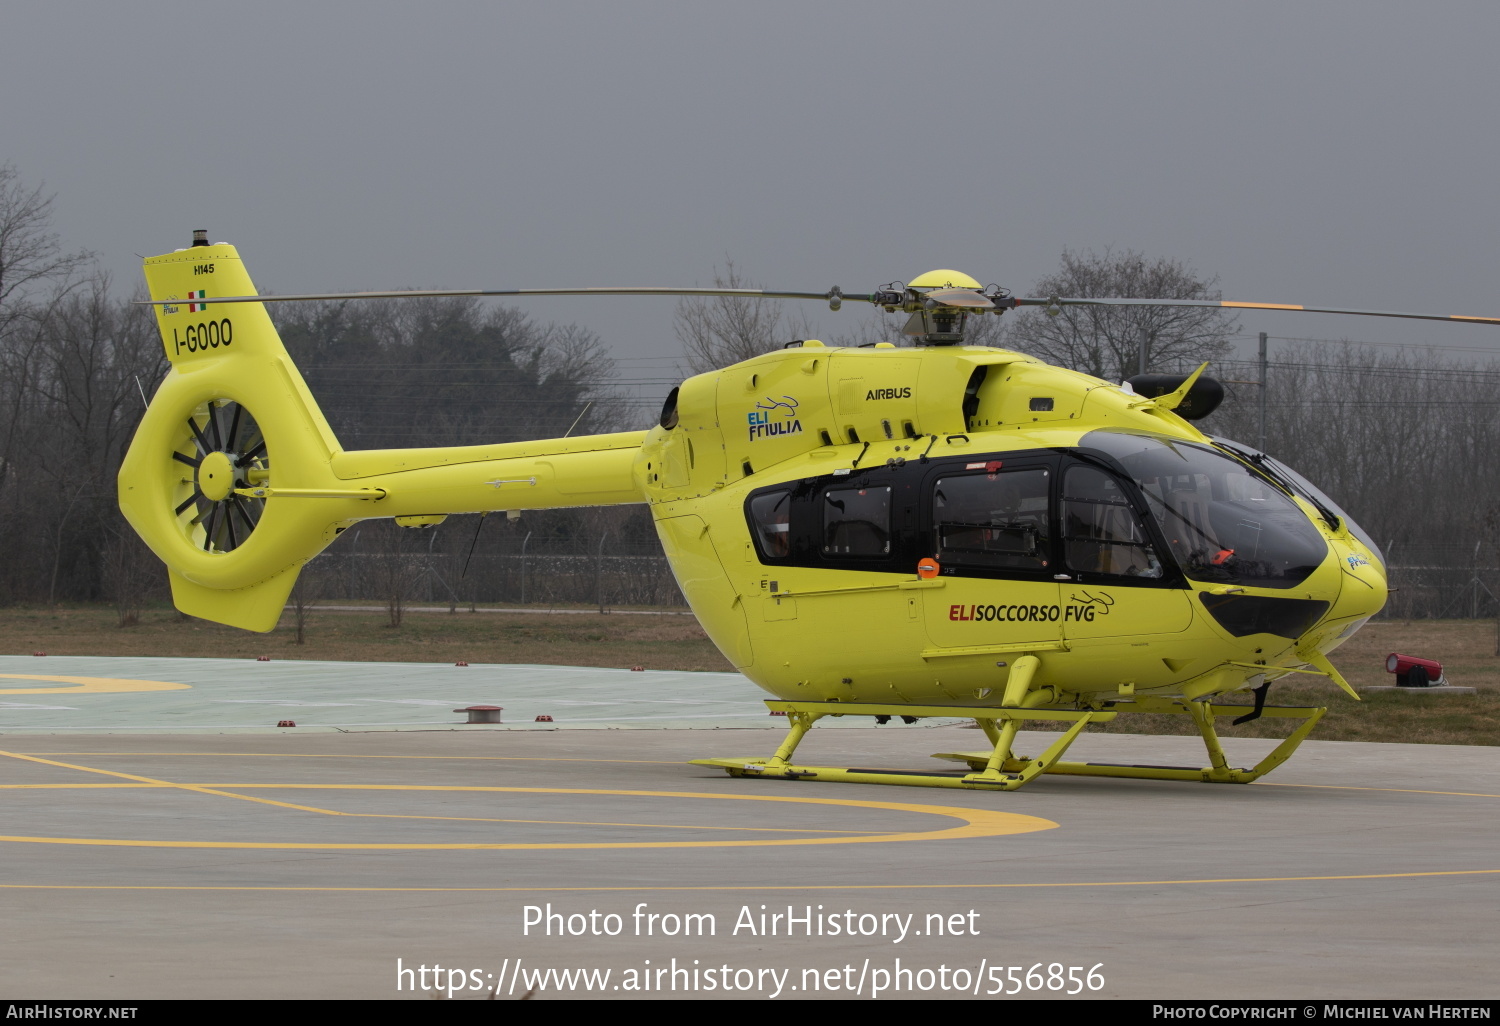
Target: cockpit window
{"x":771,"y":515}
{"x":993,"y":520}
{"x":857,"y":521}
{"x":1101,"y":532}
{"x":1222,"y":522}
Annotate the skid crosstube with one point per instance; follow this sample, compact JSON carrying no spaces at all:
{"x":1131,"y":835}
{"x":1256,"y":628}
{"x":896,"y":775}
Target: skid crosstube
{"x":997,"y":768}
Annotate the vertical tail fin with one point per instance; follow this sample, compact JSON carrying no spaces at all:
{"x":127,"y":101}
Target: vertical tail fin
{"x":235,"y":480}
{"x":231,"y":406}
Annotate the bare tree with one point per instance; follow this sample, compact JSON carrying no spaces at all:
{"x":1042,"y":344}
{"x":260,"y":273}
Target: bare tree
{"x":304,"y":593}
{"x":724,"y":330}
{"x":399,"y":565}
{"x":130,"y":572}
{"x":30,"y":257}
{"x":448,"y":371}
{"x":30,"y":254}
{"x":1105,"y":341}
{"x":87,"y":359}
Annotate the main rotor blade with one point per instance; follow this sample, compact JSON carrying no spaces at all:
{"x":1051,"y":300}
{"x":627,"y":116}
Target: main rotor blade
{"x":623,"y":290}
{"x":1215,"y":304}
{"x":946,"y":299}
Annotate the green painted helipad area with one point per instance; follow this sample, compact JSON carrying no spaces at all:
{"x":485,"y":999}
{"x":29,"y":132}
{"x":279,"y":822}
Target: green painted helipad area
{"x":87,"y":694}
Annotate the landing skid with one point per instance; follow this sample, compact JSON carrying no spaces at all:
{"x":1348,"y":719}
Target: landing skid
{"x":997,"y":768}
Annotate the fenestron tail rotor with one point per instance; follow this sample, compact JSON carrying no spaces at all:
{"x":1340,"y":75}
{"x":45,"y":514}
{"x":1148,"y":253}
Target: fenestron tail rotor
{"x":226,"y":452}
{"x":196,"y":481}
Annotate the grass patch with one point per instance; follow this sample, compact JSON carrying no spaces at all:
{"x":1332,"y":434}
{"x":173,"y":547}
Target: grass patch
{"x":1382,"y":716}
{"x":1466,"y":648}
{"x":583,"y":639}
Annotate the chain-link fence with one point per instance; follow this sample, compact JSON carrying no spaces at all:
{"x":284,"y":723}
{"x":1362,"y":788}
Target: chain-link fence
{"x":550,"y":573}
{"x":1442,"y":582}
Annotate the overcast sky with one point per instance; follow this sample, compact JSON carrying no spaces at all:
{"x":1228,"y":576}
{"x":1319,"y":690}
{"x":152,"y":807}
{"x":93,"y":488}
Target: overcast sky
{"x":1340,"y":153}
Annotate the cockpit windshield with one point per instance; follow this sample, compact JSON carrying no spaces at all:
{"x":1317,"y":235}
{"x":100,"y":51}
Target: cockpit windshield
{"x":1302,"y":486}
{"x":1223,"y":522}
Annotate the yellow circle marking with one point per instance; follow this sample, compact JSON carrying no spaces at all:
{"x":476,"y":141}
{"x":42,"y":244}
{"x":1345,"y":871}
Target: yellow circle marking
{"x":973,"y":823}
{"x":86,"y":685}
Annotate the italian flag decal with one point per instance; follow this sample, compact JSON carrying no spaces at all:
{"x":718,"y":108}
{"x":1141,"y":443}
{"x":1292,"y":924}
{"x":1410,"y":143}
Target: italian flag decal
{"x":195,"y":307}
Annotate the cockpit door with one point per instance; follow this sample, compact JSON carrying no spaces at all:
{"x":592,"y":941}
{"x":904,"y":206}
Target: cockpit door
{"x":1116,"y":581}
{"x":989,"y":525}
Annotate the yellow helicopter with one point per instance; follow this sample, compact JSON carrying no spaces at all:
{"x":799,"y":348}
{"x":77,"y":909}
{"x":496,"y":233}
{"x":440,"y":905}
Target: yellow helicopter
{"x":936,"y":531}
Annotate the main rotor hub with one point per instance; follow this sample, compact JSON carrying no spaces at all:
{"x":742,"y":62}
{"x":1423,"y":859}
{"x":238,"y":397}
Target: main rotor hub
{"x":940,"y":303}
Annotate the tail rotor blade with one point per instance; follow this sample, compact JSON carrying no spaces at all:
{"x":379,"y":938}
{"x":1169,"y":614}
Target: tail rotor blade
{"x":234,"y":541}
{"x":203,"y":447}
{"x":234,"y":429}
{"x":239,"y":507}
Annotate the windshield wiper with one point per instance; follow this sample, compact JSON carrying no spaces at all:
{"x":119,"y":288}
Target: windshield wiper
{"x":1261,"y":462}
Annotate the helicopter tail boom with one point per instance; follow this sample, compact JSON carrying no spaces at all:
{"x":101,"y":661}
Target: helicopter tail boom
{"x":235,"y":480}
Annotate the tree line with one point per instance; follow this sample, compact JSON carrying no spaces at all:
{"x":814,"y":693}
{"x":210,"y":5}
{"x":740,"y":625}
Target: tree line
{"x":79,"y":359}
{"x":1402,"y":439}
{"x":1406,"y":442}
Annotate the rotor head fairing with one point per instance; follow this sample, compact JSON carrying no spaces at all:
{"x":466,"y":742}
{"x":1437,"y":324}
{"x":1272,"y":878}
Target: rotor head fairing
{"x":943,"y":279}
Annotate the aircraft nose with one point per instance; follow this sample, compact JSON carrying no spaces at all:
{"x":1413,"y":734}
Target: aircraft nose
{"x":1362,"y":579}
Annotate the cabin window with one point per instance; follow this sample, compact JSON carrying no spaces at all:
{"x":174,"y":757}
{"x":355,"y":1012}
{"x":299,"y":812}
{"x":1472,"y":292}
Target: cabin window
{"x":857,"y":521}
{"x":1101,"y":532}
{"x":996,"y":520}
{"x":771,"y":515}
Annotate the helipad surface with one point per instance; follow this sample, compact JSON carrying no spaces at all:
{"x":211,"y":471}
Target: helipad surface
{"x":96,"y":694}
{"x":349,"y":864}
